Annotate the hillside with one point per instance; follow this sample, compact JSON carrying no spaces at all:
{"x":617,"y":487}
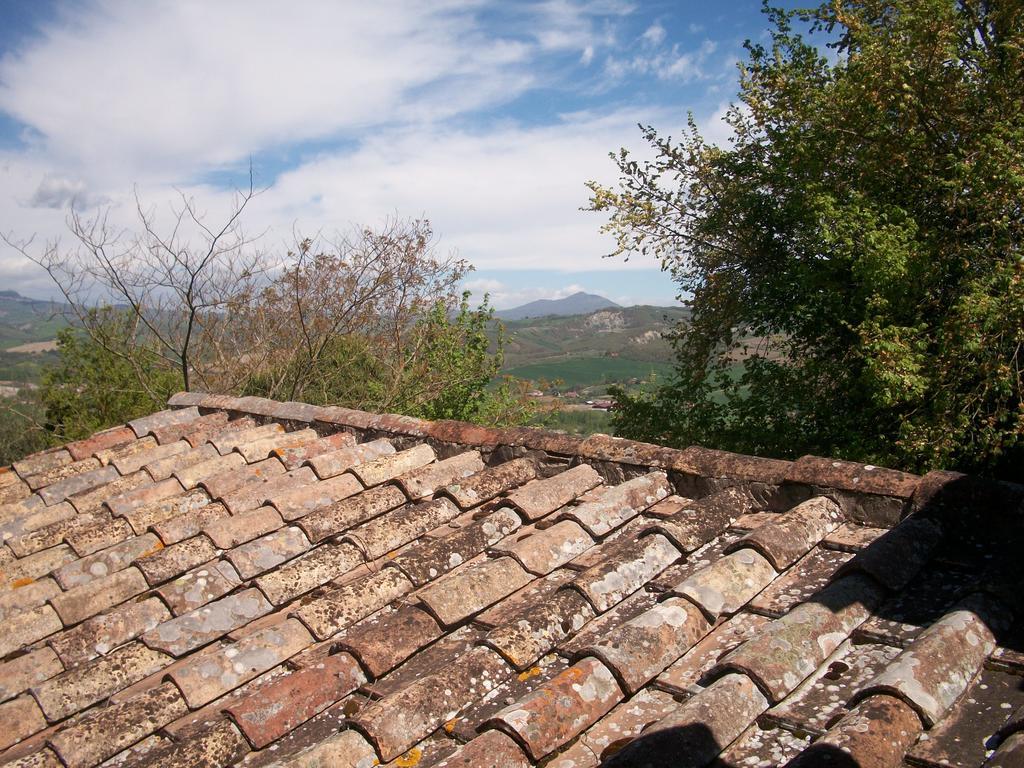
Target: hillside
{"x":27,"y":321}
{"x":633,"y":333}
{"x":578,"y":304}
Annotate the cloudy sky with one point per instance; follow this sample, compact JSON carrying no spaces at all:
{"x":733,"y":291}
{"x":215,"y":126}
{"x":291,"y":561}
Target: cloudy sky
{"x":485,"y":117}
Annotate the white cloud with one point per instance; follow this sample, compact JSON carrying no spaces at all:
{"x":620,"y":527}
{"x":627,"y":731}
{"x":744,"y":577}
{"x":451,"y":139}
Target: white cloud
{"x":653,"y":35}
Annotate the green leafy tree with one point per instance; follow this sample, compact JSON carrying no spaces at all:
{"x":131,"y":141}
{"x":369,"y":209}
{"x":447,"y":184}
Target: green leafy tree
{"x":853,"y":257}
{"x":95,"y":384}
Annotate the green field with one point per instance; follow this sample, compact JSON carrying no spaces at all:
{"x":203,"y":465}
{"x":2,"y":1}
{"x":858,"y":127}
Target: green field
{"x":582,"y":372}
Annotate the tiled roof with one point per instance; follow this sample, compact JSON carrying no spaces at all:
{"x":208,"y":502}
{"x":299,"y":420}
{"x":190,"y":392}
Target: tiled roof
{"x":245,"y":582}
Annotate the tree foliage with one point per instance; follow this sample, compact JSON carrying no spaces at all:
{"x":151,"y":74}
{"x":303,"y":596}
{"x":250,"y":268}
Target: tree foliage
{"x":857,"y":245}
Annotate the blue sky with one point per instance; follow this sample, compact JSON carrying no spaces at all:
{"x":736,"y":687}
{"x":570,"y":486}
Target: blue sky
{"x":485,"y":117}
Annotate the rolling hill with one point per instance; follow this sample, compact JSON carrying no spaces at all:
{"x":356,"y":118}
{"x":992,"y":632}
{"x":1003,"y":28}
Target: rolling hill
{"x":579,"y":303}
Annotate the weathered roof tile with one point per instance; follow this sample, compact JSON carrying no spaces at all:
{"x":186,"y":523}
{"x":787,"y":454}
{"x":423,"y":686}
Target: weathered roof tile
{"x":107,"y":730}
{"x":323,"y":564}
{"x":342,"y":515}
{"x":144,"y":496}
{"x":877,"y":733}
{"x":191,"y":475}
{"x":625,"y":571}
{"x":640,"y":649}
{"x":37,"y":564}
{"x":541,"y":497}
{"x":29,"y":627}
{"x":391,"y":530}
{"x":792,"y":535}
{"x":295,"y":456}
{"x":336,"y":608}
{"x":728,"y":583}
{"x":169,"y":433}
{"x":694,"y":734}
{"x":295,"y":502}
{"x":233,"y":478}
{"x":198,"y":587}
{"x":162,"y":469}
{"x":850,"y":476}
{"x":472,"y":588}
{"x":335,"y":462}
{"x":695,"y":524}
{"x":388,"y":467}
{"x":560,"y":710}
{"x":211,"y":745}
{"x":172,"y":561}
{"x":188,"y":523}
{"x":101,"y":531}
{"x":788,"y":650}
{"x":106,"y":561}
{"x":492,"y":749}
{"x":19,"y":718}
{"x":37,"y":463}
{"x":80,"y":483}
{"x":267,"y":552}
{"x":83,"y":602}
{"x":387,"y":638}
{"x":432,"y":557}
{"x":621,"y":503}
{"x":189,"y":631}
{"x":22,"y":672}
{"x":540,"y":551}
{"x":895,"y":558}
{"x":145,"y":425}
{"x":540,"y":628}
{"x":230,"y":531}
{"x":101,"y":441}
{"x":265,"y":447}
{"x":255,"y":494}
{"x":808,"y":575}
{"x":133,"y":463}
{"x":100,"y":634}
{"x":397,"y":722}
{"x":491,"y":482}
{"x":23,"y":596}
{"x":82,"y":686}
{"x":211,"y":675}
{"x":226,"y":442}
{"x":274,"y":709}
{"x":935,"y":669}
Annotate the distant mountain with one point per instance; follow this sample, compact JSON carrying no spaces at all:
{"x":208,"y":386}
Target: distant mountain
{"x":24,"y":320}
{"x":578,"y":304}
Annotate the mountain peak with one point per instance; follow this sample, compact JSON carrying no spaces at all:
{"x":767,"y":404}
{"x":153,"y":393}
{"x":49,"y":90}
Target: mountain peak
{"x":579,"y":303}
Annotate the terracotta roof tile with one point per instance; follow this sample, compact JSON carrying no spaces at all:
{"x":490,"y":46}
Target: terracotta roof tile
{"x":100,"y":634}
{"x":430,"y":558}
{"x":192,"y":474}
{"x":106,"y":561}
{"x":170,"y":562}
{"x":540,"y":628}
{"x":337,"y":607}
{"x":491,"y":482}
{"x":491,"y":750}
{"x":335,"y":462}
{"x":19,"y":718}
{"x":226,"y":442}
{"x":363,"y":606}
{"x":425,"y":481}
{"x":203,"y":625}
{"x":388,"y":467}
{"x":541,"y":497}
{"x":210,"y":676}
{"x":397,"y":722}
{"x":784,"y":653}
{"x":728,"y":583}
{"x":85,"y":685}
{"x":894,"y":559}
{"x":814,"y":705}
{"x":391,"y":530}
{"x":936,"y":668}
{"x":641,"y":648}
{"x":169,"y":433}
{"x":267,"y":552}
{"x":387,"y":638}
{"x":540,"y":551}
{"x":621,"y":503}
{"x":694,"y":525}
{"x":273,"y":710}
{"x":877,"y":732}
{"x":107,"y":730}
{"x":231,"y":530}
{"x":323,"y":564}
{"x":561,"y":709}
{"x":473,"y":588}
{"x":1010,"y":753}
{"x":625,"y":571}
{"x":145,"y":425}
{"x":269,"y":446}
{"x":22,"y":672}
{"x":86,"y":601}
{"x":295,"y":456}
{"x":693,"y":735}
{"x":109,"y":438}
{"x":342,"y":515}
{"x":198,"y":587}
{"x":188,"y":523}
{"x":806,"y":576}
